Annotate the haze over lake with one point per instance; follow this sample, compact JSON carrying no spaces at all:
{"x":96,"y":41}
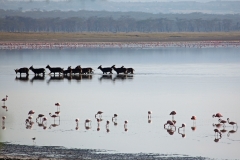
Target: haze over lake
{"x":191,"y":81}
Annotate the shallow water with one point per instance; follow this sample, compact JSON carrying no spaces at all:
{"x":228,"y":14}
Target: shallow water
{"x":191,"y":81}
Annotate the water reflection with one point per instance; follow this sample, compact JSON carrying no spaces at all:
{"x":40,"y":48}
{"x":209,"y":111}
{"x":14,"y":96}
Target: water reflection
{"x":231,"y":132}
{"x":22,"y":79}
{"x":105,"y":77}
{"x":37,"y":78}
{"x":5,"y":107}
{"x":55,"y":79}
{"x":123,"y":77}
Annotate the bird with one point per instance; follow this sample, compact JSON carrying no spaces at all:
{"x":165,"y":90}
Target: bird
{"x":3,"y":119}
{"x":183,"y":126}
{"x":222,"y":121}
{"x":125,"y":123}
{"x":170,"y":123}
{"x":44,"y":119}
{"x":218,"y":125}
{"x":217,"y":115}
{"x":30,"y":118}
{"x":4,"y":100}
{"x":53,"y":116}
{"x":107,"y":124}
{"x":217,"y":131}
{"x":173,"y":113}
{"x":149,"y":114}
{"x":88,"y":121}
{"x":5,"y":107}
{"x":27,"y":120}
{"x":194,"y":118}
{"x":99,"y":113}
{"x":114,"y":117}
{"x":39,"y":116}
{"x":58,"y":105}
{"x":31,"y":112}
{"x":231,"y":132}
{"x":77,"y":120}
{"x":34,"y":138}
{"x":232,"y":123}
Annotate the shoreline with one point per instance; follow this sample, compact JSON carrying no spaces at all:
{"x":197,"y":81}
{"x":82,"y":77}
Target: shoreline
{"x":15,"y":151}
{"x":36,"y":37}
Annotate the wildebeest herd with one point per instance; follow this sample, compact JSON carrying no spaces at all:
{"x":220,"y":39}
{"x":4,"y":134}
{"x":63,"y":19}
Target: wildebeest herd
{"x":76,"y":70}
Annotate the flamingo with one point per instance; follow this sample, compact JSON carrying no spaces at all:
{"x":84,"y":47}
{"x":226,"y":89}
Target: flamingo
{"x":53,"y":125}
{"x":3,"y":119}
{"x":27,"y":121}
{"x":114,"y":117}
{"x":4,"y":100}
{"x":77,"y":120}
{"x":149,"y":114}
{"x":39,"y":116}
{"x":218,"y":125}
{"x":88,"y":121}
{"x":34,"y":138}
{"x":5,"y":107}
{"x":100,"y":113}
{"x":53,"y":116}
{"x":231,"y":132}
{"x":30,"y":118}
{"x":58,"y":105}
{"x":31,"y":112}
{"x":173,"y":113}
{"x":44,"y":119}
{"x":107,"y":124}
{"x":232,"y":123}
{"x":170,"y":123}
{"x":222,"y":121}
{"x":183,"y":126}
{"x":217,"y":115}
{"x":217,"y":131}
{"x":125,"y":123}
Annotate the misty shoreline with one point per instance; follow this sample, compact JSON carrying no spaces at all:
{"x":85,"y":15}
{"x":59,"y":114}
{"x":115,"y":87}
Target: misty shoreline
{"x":15,"y":151}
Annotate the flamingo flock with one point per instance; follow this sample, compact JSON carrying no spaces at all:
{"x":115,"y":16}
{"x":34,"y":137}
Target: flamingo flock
{"x":74,"y":45}
{"x":170,"y":125}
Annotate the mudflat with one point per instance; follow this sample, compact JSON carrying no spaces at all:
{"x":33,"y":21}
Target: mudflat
{"x":118,"y":37}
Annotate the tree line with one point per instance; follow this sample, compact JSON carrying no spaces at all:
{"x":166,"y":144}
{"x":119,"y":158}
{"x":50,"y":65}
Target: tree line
{"x":122,"y":24}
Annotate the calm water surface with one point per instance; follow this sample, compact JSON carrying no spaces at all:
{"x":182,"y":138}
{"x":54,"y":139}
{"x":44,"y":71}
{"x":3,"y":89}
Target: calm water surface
{"x":190,"y":81}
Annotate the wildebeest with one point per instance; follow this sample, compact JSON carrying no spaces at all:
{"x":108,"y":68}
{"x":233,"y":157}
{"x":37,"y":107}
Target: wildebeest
{"x":105,"y":70}
{"x":37,"y":70}
{"x":87,"y":70}
{"x":129,"y":70}
{"x":55,"y":69}
{"x":68,"y":71}
{"x":119,"y":70}
{"x":78,"y":69}
{"x":22,"y":70}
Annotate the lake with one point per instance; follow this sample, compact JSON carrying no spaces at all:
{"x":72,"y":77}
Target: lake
{"x":190,"y":81}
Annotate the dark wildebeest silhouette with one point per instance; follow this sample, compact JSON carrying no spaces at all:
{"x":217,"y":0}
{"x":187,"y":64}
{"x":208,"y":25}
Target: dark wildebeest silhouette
{"x":105,"y":70}
{"x":22,"y":70}
{"x":129,"y":70}
{"x":37,"y":71}
{"x":119,"y":70}
{"x":55,"y":69}
{"x":77,"y":69}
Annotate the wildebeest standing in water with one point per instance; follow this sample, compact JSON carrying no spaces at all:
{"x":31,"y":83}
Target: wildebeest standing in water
{"x":129,"y":70}
{"x":105,"y":70}
{"x":120,"y":70}
{"x":55,"y":69}
{"x":37,"y":71}
{"x":22,"y":70}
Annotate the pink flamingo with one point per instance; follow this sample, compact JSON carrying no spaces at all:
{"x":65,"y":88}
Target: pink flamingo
{"x":173,"y":113}
{"x":217,"y":115}
{"x":99,"y":113}
{"x":58,"y":105}
{"x":39,"y":116}
{"x":5,"y":107}
{"x":149,"y":114}
{"x":183,"y":126}
{"x":77,"y":120}
{"x":4,"y":100}
{"x":107,"y":124}
{"x":3,"y":120}
{"x":217,"y":131}
{"x":53,"y":116}
{"x":114,"y":117}
{"x":31,"y":112}
{"x":44,"y":119}
{"x":232,"y":123}
{"x":222,"y":121}
{"x":170,"y":123}
{"x":88,"y":121}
